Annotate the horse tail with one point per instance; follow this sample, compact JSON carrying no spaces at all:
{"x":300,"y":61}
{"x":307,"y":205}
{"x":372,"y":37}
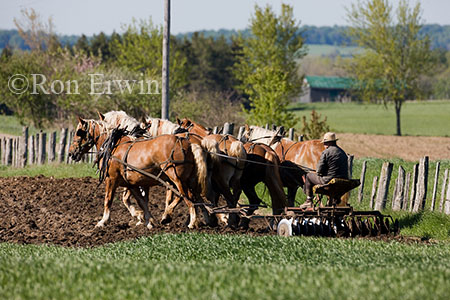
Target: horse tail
{"x":201,"y":166}
{"x":237,"y":150}
{"x":212,"y":147}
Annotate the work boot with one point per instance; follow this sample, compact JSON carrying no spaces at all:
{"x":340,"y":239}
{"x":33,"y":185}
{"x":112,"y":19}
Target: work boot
{"x":308,"y":204}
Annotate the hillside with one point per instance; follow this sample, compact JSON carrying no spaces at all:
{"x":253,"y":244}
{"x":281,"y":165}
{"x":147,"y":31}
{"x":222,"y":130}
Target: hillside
{"x":314,"y":35}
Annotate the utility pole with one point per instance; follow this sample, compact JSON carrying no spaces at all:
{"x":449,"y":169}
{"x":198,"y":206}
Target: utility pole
{"x":165,"y":62}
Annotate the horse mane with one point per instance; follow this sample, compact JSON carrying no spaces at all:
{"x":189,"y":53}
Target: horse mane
{"x":105,"y":152}
{"x":121,"y":120}
{"x":166,"y":126}
{"x":261,"y":135}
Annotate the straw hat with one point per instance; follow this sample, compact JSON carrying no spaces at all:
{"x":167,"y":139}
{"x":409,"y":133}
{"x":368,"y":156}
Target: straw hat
{"x":329,"y":137}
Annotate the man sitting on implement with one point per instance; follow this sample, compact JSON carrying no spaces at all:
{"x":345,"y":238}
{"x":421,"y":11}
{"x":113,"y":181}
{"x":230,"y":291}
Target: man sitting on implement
{"x":332,"y":164}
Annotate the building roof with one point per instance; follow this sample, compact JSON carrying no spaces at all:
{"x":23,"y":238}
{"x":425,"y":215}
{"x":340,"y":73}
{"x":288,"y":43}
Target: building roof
{"x":324,"y":82}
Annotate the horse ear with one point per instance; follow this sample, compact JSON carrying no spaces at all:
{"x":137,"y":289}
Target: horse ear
{"x":143,"y":120}
{"x":101,"y":117}
{"x":82,"y":122}
{"x":178,"y":121}
{"x":247,"y":128}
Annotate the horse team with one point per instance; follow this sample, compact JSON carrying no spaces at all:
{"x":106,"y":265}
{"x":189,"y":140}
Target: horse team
{"x":195,"y":165}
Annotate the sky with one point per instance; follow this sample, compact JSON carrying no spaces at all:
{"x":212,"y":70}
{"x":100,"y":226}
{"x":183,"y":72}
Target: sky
{"x":93,"y":16}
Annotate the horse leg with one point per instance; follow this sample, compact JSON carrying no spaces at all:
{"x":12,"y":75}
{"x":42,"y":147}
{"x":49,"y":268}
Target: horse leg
{"x":276,"y":194}
{"x":110,"y":190}
{"x":292,"y":191}
{"x":131,"y":207}
{"x":170,"y":206}
{"x":142,"y":199}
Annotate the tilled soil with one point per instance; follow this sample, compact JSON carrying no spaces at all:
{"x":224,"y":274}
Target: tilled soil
{"x":44,"y":210}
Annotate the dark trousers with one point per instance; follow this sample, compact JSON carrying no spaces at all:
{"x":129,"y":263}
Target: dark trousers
{"x":311,"y":180}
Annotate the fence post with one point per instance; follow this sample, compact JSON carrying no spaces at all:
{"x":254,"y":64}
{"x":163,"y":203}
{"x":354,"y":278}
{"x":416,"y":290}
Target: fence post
{"x":52,"y":147}
{"x":444,"y":184}
{"x":3,"y":149}
{"x":241,"y":132}
{"x":383,"y":186}
{"x":8,"y":152}
{"x":14,"y":152}
{"x":228,"y":128}
{"x":362,"y":179}
{"x":374,"y":191}
{"x":300,"y":138}
{"x":447,"y":201}
{"x":422,"y":182}
{"x":406,"y":191}
{"x":31,"y":150}
{"x":62,"y":145}
{"x":42,"y":144}
{"x":291,"y":134}
{"x":23,"y":152}
{"x":69,"y":141}
{"x":215,"y":129}
{"x":436,"y":179}
{"x":398,"y":200}
{"x":413,"y":187}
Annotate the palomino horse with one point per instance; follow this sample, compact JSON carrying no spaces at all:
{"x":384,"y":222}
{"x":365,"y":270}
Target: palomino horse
{"x":155,"y":127}
{"x":296,"y":157}
{"x":168,"y":157}
{"x":264,"y":169}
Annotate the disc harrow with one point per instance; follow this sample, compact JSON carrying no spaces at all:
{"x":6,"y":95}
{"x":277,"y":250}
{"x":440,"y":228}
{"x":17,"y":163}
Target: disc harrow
{"x":335,"y":221}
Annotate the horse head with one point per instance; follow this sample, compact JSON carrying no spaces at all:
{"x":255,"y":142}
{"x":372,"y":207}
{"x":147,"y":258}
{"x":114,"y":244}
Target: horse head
{"x":246,"y":135}
{"x":83,"y":139}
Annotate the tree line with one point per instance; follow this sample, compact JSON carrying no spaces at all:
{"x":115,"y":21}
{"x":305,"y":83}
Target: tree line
{"x":317,"y":35}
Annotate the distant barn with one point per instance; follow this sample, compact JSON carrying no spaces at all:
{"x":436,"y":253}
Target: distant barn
{"x":326,"y":89}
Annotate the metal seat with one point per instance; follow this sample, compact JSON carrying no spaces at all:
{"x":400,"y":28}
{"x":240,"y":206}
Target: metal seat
{"x":335,"y":189}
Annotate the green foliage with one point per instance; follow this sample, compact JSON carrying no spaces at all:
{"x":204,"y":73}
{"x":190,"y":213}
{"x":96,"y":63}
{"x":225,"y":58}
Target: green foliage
{"x":199,"y":266}
{"x":209,"y":62}
{"x":267,"y":68}
{"x":315,"y":128}
{"x":141,"y":51}
{"x":397,"y":55}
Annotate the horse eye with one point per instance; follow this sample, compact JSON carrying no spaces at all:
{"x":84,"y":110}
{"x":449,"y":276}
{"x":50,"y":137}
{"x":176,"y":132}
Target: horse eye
{"x":81,"y":133}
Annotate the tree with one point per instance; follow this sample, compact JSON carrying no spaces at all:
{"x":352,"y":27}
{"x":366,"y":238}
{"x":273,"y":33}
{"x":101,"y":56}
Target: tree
{"x":140,"y":51}
{"x":210,"y":62}
{"x":267,"y":68}
{"x":396,"y":55}
{"x":37,"y":34}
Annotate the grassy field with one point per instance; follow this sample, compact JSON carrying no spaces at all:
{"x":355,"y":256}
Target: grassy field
{"x":419,"y":118}
{"x":55,"y":170}
{"x":327,"y":50}
{"x":198,"y":266}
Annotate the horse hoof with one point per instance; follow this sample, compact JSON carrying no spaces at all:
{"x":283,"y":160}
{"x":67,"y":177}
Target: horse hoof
{"x":166,"y":220}
{"x":99,"y":225}
{"x":149,"y":225}
{"x":139,"y":223}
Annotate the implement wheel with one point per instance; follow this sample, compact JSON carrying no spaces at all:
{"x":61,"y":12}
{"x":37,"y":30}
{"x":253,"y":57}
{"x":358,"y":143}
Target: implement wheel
{"x":284,"y":228}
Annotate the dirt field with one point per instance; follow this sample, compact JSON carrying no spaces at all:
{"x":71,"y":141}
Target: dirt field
{"x":42,"y":210}
{"x":406,"y":147}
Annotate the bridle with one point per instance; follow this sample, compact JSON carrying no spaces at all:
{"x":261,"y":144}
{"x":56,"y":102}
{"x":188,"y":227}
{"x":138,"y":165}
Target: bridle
{"x":91,"y":140}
